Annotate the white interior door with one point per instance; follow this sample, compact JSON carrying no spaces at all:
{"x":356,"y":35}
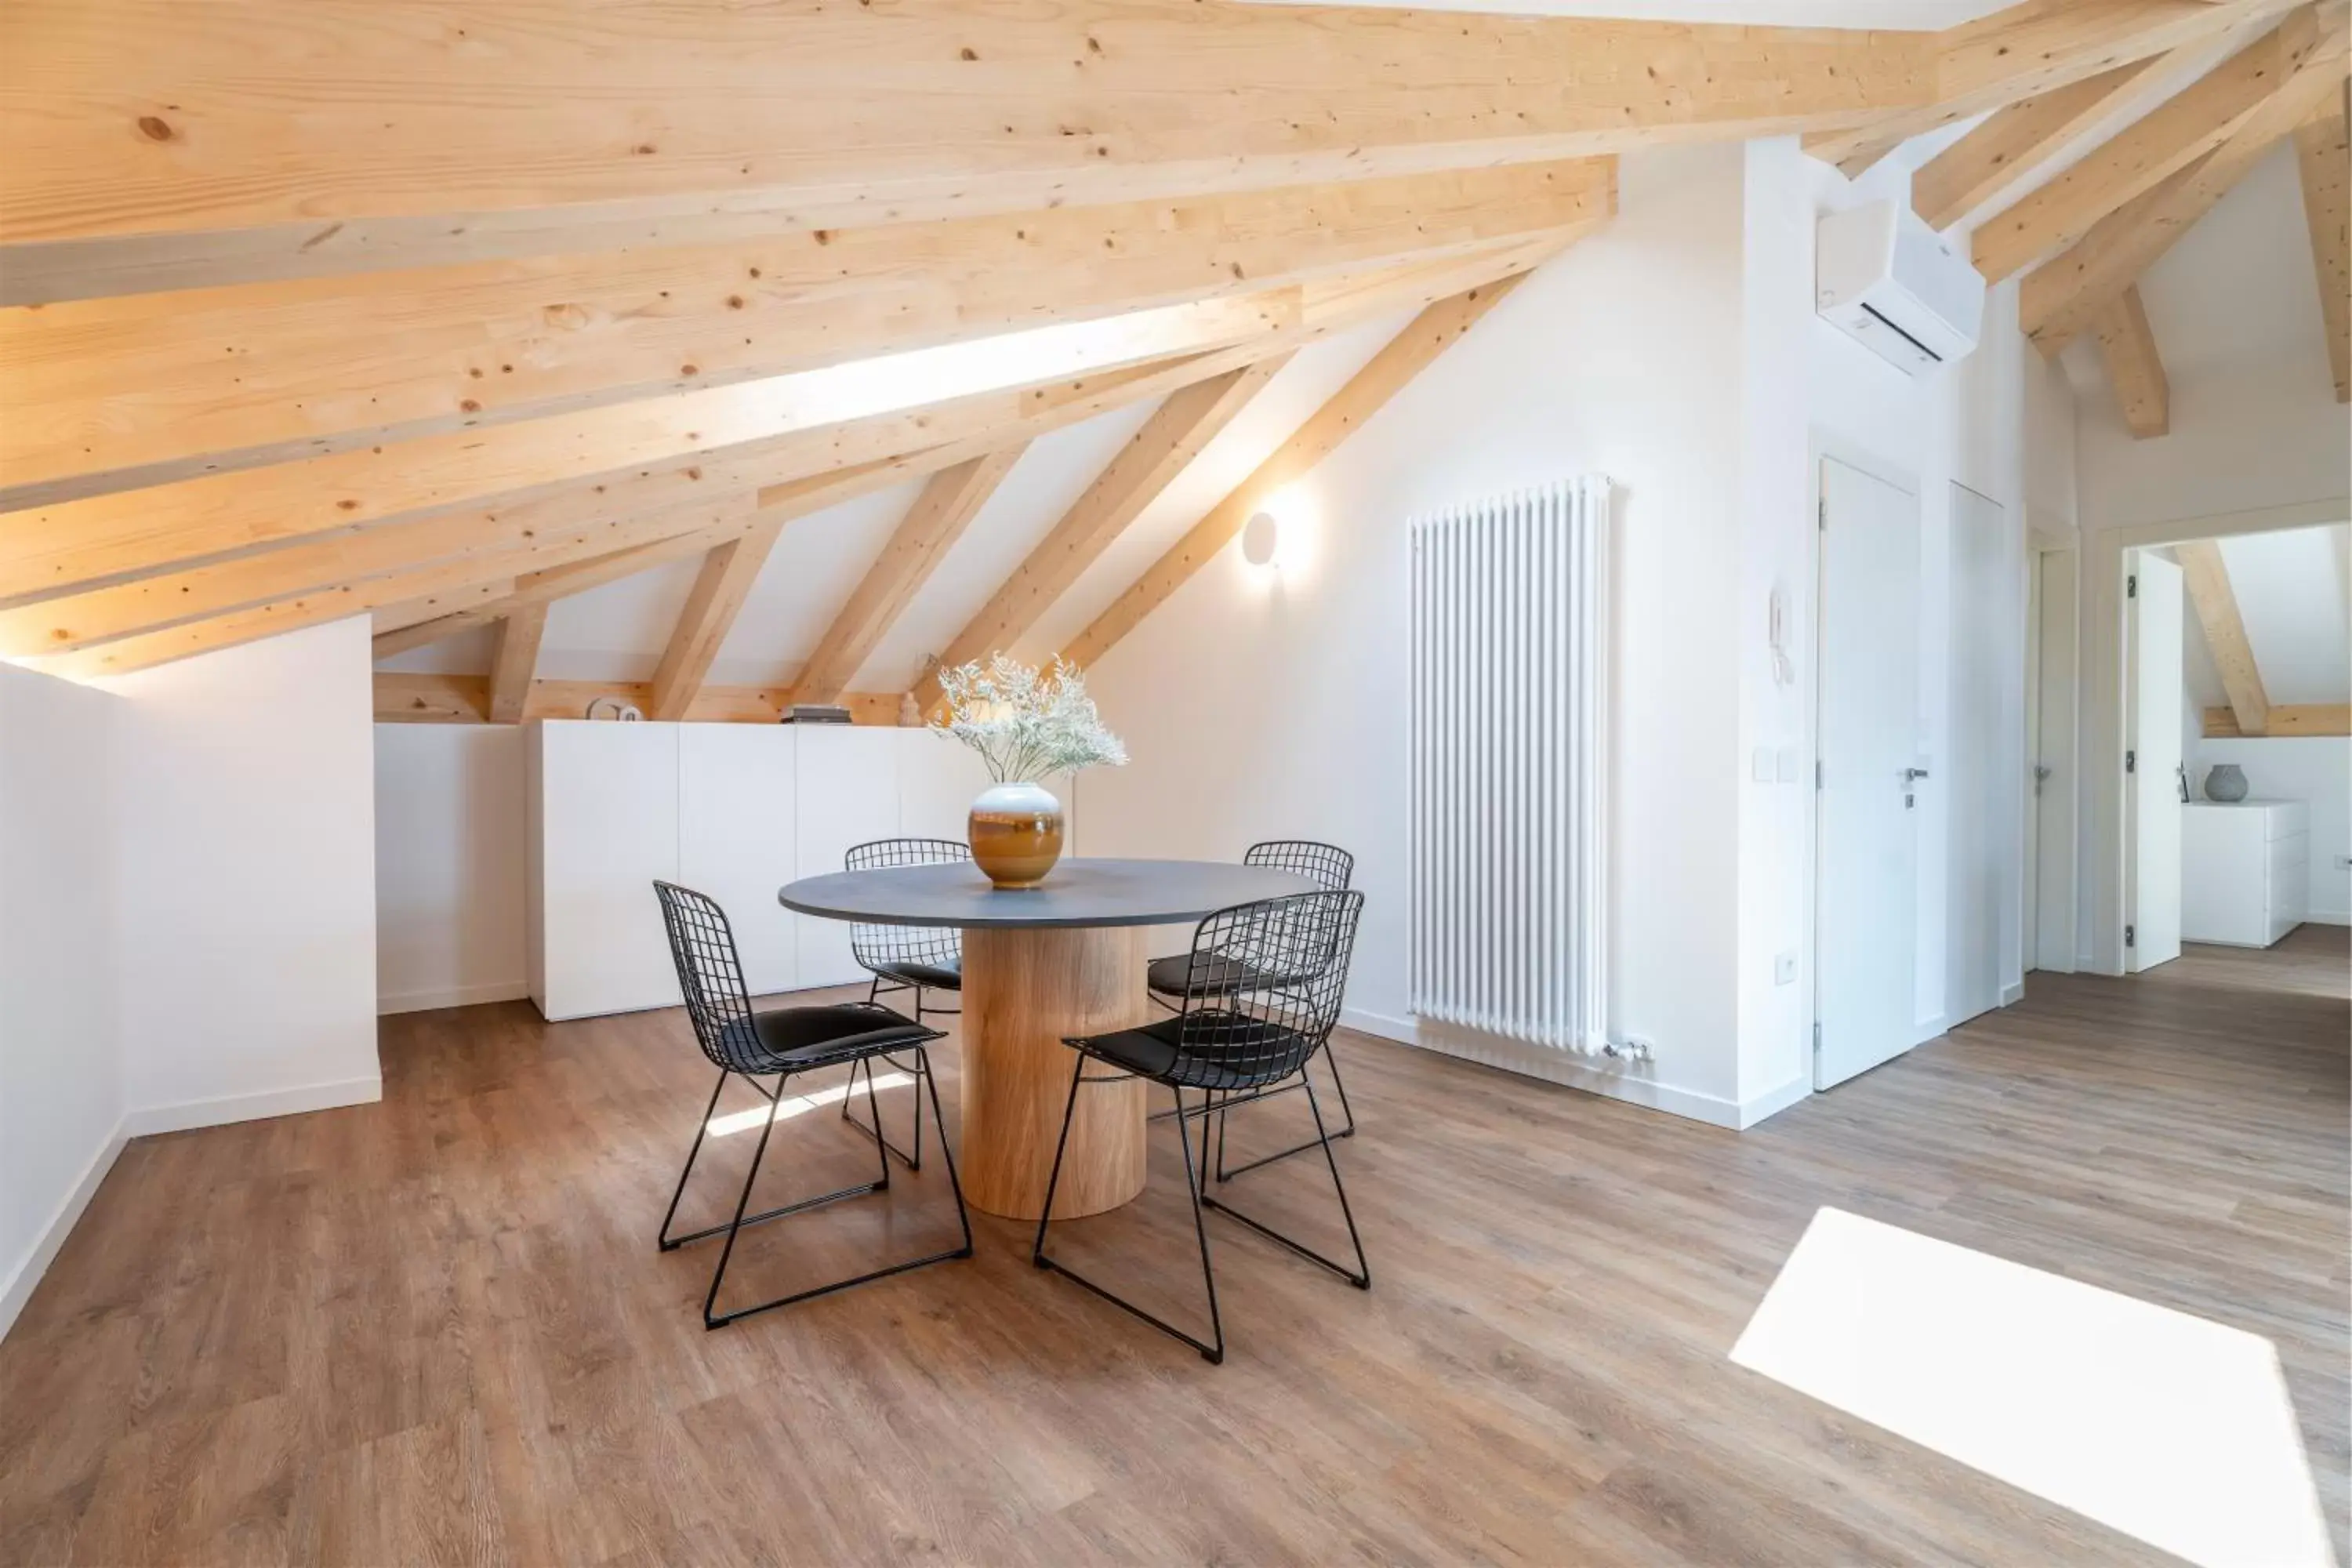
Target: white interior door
{"x":2055,"y":781}
{"x":2152,"y":760}
{"x":1866,"y":837}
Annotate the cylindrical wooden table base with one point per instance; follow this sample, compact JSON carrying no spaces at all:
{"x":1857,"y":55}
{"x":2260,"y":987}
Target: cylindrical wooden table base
{"x":1024,"y":989}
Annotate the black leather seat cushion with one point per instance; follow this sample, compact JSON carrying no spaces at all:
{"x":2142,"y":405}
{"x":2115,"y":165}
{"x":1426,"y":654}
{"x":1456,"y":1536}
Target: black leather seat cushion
{"x":1216,"y":976}
{"x":931,"y":976}
{"x":1224,"y":1051}
{"x":790,"y":1039}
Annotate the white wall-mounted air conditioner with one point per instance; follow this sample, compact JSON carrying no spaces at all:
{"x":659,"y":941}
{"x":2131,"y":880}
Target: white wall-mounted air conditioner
{"x":1885,"y":276}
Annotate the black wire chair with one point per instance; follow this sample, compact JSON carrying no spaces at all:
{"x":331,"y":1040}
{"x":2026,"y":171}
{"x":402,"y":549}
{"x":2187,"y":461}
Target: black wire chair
{"x":1328,"y":866}
{"x":904,"y":958}
{"x":1264,"y":983}
{"x":783,"y":1041}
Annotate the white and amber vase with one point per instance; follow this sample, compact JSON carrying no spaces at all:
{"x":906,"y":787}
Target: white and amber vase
{"x":1015,"y":832}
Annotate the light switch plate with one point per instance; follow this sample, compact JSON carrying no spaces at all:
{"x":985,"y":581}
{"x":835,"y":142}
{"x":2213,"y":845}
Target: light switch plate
{"x":1784,"y":969}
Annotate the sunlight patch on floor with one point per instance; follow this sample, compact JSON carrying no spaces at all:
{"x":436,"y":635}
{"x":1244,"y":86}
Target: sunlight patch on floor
{"x":800,"y":1104}
{"x":2174,"y":1430}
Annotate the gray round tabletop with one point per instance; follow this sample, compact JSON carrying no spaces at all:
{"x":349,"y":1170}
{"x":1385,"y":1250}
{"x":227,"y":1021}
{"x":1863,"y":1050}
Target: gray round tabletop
{"x":1074,"y":893}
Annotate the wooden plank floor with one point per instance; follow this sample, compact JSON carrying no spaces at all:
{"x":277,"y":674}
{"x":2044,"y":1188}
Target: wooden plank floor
{"x":437,"y":1329}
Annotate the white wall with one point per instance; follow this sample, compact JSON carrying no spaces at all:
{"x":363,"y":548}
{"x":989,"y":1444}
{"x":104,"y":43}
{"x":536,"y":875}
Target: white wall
{"x":1257,"y":705}
{"x":248,"y":861}
{"x":448,"y":865}
{"x":187,"y":911}
{"x":1677,"y":352}
{"x":60,"y":1070}
{"x":2254,"y":447}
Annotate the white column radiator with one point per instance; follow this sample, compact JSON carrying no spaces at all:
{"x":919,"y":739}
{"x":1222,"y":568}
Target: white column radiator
{"x":1510,"y":683}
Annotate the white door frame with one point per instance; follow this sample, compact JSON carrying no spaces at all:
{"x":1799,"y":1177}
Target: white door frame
{"x":2053,"y":923}
{"x":2106,"y":649}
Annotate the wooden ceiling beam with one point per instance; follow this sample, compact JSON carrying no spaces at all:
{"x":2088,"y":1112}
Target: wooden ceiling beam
{"x":515,"y":662}
{"x":1429,"y":334}
{"x":2061,"y":298}
{"x":2127,"y":347}
{"x":473,"y":589}
{"x":2287,"y":718}
{"x":2144,"y":153}
{"x":2017,"y":142}
{"x":1132,"y":480}
{"x":412,"y":696}
{"x":2324,"y":164}
{"x":719,"y":589}
{"x":786,"y":426}
{"x":156,"y":144}
{"x":915,"y":549}
{"x":2028,"y":50}
{"x":237,"y":377}
{"x":2207,"y":578}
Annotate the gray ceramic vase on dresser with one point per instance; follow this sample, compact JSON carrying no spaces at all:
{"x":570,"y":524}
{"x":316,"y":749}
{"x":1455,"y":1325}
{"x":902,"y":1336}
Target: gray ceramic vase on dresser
{"x":2225,"y":782}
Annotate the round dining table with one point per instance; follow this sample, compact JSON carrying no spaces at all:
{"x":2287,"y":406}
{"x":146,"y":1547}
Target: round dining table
{"x":1064,"y":958}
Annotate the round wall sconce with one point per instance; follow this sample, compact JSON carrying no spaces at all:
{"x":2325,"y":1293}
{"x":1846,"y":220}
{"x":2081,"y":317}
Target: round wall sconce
{"x":1260,"y":534}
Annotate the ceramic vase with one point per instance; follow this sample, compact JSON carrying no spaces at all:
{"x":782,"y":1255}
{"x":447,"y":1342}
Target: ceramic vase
{"x":1015,"y":831}
{"x":2225,"y":782}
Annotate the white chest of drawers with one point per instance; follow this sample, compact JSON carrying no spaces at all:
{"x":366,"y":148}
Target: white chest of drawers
{"x":2245,"y":871}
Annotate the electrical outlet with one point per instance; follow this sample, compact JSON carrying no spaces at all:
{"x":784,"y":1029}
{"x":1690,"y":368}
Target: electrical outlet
{"x":1784,"y":969}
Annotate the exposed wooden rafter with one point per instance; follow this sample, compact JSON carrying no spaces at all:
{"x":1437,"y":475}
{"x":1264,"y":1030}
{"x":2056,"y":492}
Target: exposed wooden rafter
{"x":2029,"y":50}
{"x":2127,"y":348}
{"x":516,"y":663}
{"x":2324,"y":164}
{"x":2059,"y":299}
{"x":763,"y":433}
{"x":158,"y":144}
{"x":2287,"y":719}
{"x":2167,"y":139}
{"x":914,"y":551}
{"x":406,"y":696}
{"x":264,"y":373}
{"x":2207,"y":578}
{"x":1428,"y":335}
{"x":719,"y":590}
{"x":1151,"y":461}
{"x":2017,"y":142}
{"x":474,"y":588}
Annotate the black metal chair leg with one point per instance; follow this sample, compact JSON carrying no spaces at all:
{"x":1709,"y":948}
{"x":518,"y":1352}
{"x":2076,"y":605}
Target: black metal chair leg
{"x":702,"y":1129}
{"x":735,"y":1228}
{"x":711,"y":1320}
{"x":913,"y":1162}
{"x":1361,"y":1277}
{"x":955,"y":1184}
{"x":1212,"y":1352}
{"x":1226,"y":1172}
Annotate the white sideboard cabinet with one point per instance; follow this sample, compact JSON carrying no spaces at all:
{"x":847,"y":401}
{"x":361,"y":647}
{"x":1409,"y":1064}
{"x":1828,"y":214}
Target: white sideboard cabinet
{"x":732,"y":810}
{"x":2245,"y":870}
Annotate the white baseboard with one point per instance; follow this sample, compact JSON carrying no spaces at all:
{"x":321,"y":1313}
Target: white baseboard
{"x":2011,"y":994}
{"x":456,"y":996}
{"x":1627,"y":1083}
{"x":2328,"y":918}
{"x":1773,"y":1101}
{"x":43,"y":1251}
{"x":229,"y":1108}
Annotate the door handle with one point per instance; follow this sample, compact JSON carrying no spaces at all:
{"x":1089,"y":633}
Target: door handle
{"x":1912,"y":776}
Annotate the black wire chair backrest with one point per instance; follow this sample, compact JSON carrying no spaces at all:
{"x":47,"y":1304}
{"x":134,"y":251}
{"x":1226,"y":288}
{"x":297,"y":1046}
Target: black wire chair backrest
{"x":941,"y":947}
{"x":1328,"y":865}
{"x":1266,"y":980}
{"x":711,"y":976}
